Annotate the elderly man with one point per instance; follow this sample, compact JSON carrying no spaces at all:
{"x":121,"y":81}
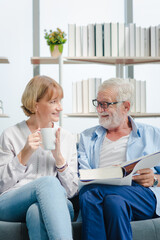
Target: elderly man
{"x":107,"y":210}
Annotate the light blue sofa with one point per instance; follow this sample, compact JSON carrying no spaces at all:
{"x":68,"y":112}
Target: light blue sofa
{"x":142,"y":230}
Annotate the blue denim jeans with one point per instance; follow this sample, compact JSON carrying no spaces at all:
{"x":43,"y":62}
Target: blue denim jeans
{"x":108,"y":210}
{"x":43,"y":205}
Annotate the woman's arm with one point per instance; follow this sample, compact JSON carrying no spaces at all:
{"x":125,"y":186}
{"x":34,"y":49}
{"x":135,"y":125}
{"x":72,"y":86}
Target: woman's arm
{"x":13,"y":157}
{"x":69,"y":177}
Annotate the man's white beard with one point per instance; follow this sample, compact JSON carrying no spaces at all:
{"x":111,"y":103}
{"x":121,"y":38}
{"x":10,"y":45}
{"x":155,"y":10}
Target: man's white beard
{"x":111,"y":121}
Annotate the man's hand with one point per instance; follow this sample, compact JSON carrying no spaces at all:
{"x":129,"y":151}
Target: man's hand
{"x":145,"y":177}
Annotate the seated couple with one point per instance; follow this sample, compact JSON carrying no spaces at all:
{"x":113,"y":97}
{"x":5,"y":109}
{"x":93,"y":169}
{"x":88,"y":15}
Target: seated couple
{"x":36,"y":185}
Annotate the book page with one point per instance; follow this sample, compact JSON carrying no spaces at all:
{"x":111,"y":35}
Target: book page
{"x":101,"y":173}
{"x":147,"y":162}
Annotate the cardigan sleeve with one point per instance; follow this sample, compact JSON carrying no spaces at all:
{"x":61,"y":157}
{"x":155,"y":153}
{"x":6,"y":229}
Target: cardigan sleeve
{"x":11,"y":170}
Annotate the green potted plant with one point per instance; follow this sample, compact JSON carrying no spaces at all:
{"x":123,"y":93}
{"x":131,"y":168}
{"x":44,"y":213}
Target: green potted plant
{"x":55,"y":40}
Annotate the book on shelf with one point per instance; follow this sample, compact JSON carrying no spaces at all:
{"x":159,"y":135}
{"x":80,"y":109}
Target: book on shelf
{"x":158,"y":40}
{"x":85,"y":96}
{"x":138,"y":41}
{"x":132,"y":37}
{"x":142,"y":46}
{"x":152,"y":37}
{"x":119,"y":174}
{"x":114,"y":40}
{"x":79,"y":96}
{"x":107,"y":39}
{"x":121,"y":52}
{"x":133,"y":108}
{"x":143,"y":96}
{"x":138,"y":96}
{"x":78,"y":42}
{"x":91,"y":94}
{"x":84,"y":41}
{"x":147,"y":42}
{"x":71,"y":40}
{"x":91,"y":40}
{"x":126,"y":45}
{"x":84,"y":91}
{"x":99,"y":40}
{"x":74,"y":97}
{"x":93,"y":86}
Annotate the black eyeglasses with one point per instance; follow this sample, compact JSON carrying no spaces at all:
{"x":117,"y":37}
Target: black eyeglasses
{"x":104,"y":105}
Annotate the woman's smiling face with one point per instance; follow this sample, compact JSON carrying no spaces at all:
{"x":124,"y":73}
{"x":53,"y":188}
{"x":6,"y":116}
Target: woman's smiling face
{"x":49,"y":109}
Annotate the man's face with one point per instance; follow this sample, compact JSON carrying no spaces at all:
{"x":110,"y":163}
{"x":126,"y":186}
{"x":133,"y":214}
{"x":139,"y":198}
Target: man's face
{"x":112,"y":116}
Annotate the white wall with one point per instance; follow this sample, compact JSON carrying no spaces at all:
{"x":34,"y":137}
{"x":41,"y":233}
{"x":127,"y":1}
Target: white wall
{"x":16,"y":44}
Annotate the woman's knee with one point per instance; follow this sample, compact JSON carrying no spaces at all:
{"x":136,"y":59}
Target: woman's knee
{"x":48,"y":182}
{"x":33,"y":213}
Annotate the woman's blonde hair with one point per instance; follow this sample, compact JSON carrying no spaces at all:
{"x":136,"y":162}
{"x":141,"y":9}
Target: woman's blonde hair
{"x":36,"y":89}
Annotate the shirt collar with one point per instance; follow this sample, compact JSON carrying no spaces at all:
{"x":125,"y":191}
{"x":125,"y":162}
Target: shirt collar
{"x":135,"y":127}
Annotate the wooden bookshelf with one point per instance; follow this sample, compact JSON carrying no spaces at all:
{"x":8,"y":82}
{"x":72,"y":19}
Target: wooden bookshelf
{"x":4,"y":60}
{"x":52,"y":60}
{"x":4,"y":116}
{"x":122,"y":61}
{"x":94,"y":115}
{"x":97,"y":60}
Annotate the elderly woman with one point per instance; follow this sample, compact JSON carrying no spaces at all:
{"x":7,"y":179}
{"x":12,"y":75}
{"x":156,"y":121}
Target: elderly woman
{"x":35,"y":183}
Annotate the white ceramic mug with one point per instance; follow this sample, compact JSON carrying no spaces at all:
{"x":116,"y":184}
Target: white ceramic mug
{"x":48,"y":138}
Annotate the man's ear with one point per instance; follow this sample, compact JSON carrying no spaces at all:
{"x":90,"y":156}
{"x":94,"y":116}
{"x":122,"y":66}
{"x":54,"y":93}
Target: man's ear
{"x":127,"y":106}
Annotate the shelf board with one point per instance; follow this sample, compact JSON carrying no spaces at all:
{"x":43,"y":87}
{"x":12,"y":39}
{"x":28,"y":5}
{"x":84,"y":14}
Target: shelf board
{"x":4,"y":60}
{"x":93,"y":115}
{"x":4,"y":116}
{"x":97,"y":60}
{"x":52,"y":60}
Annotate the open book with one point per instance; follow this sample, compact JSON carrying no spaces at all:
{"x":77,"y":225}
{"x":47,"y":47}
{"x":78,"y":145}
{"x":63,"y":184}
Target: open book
{"x":118,"y":175}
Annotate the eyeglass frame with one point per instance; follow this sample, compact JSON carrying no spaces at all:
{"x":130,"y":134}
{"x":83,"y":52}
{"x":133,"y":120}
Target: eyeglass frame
{"x":108,"y":103}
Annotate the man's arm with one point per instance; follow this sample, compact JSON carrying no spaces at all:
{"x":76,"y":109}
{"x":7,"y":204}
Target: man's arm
{"x":83,"y":160}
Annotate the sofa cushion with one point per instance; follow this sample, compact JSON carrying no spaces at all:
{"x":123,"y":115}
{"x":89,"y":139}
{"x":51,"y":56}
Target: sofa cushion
{"x":142,"y":230}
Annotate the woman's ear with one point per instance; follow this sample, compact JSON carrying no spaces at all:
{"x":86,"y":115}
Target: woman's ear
{"x":36,"y":107}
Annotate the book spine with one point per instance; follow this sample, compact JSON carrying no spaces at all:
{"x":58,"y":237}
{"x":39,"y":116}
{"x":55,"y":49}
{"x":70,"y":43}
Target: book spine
{"x":114,"y":40}
{"x":138,"y":41}
{"x":107,"y":39}
{"x":74,"y":97}
{"x":84,"y":41}
{"x":143,"y":96}
{"x":71,"y":40}
{"x":79,"y":96}
{"x":99,"y":40}
{"x":78,"y":42}
{"x":127,"y":46}
{"x":92,"y":95}
{"x":132,"y":39}
{"x":138,"y":96}
{"x":91,"y":40}
{"x":121,"y":39}
{"x":85,"y":97}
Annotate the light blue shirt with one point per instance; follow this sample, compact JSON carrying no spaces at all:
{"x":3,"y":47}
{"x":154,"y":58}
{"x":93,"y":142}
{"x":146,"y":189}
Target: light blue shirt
{"x":143,"y":139}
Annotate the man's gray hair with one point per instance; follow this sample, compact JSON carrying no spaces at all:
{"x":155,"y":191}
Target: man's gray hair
{"x":124,"y":88}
